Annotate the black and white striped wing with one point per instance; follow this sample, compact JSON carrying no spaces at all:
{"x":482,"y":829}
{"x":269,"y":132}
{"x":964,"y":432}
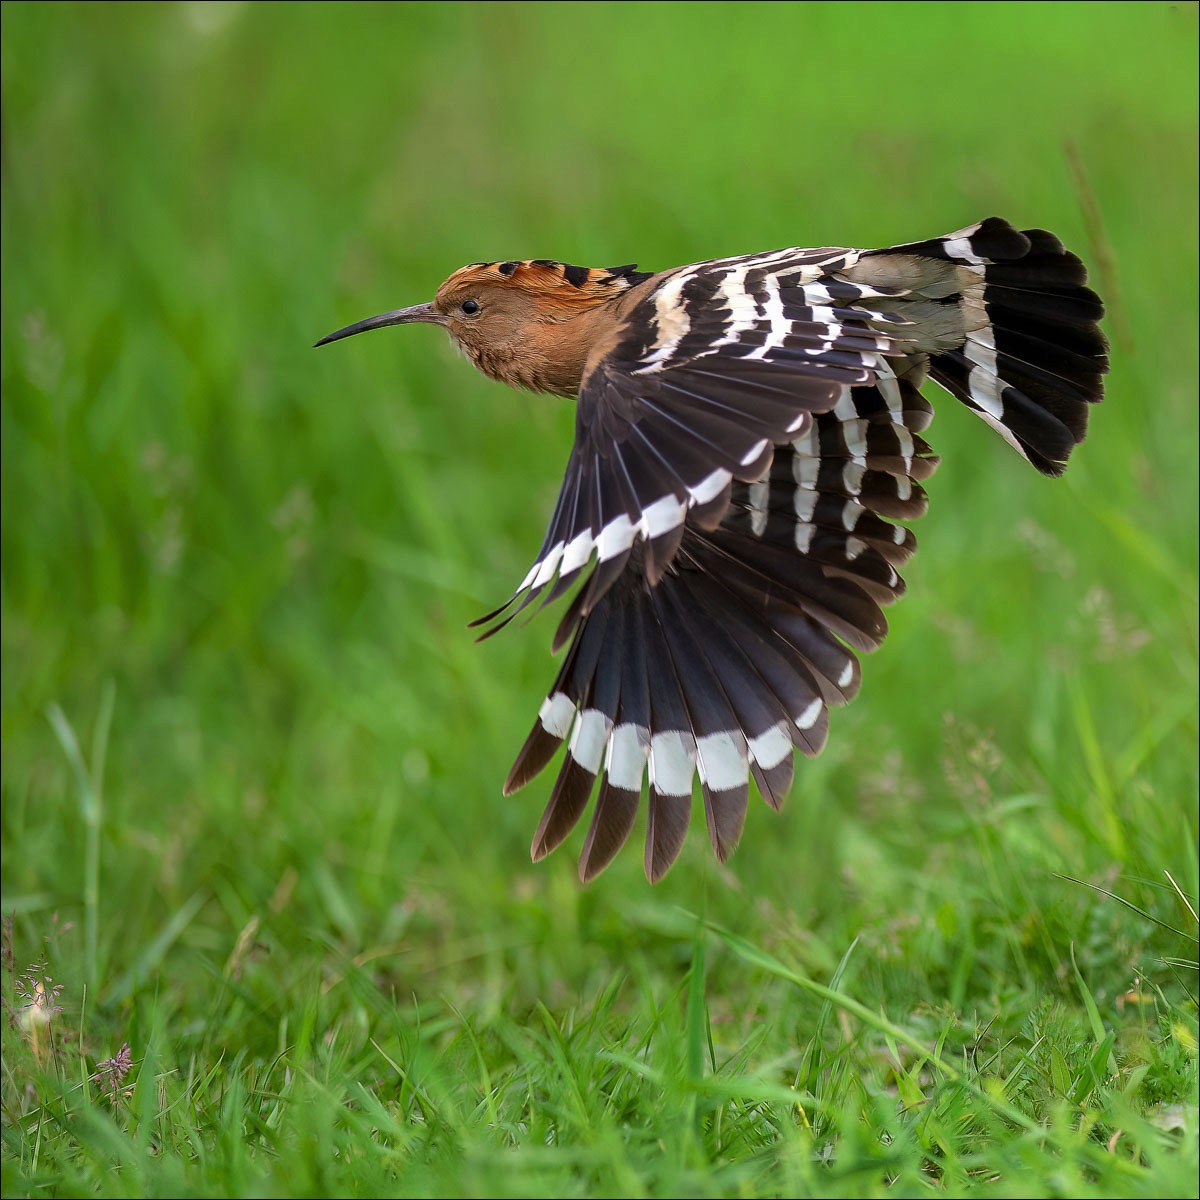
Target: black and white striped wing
{"x":731,"y":662}
{"x":717,"y":364}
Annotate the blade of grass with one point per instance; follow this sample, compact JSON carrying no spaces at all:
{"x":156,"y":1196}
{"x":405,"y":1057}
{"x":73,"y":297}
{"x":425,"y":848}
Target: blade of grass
{"x":697,"y":1013}
{"x":1093,"y":1013}
{"x":152,"y":953}
{"x":1141,"y":912}
{"x":91,"y":810}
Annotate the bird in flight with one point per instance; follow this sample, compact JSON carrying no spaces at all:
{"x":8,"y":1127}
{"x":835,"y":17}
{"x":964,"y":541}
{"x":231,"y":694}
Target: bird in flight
{"x":747,"y":433}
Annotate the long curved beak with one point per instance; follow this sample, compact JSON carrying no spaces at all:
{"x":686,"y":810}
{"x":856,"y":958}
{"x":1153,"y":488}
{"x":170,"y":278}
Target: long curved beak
{"x":401,"y":316}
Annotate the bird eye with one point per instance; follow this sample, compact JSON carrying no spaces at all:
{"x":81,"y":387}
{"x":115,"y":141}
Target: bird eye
{"x":470,"y":307}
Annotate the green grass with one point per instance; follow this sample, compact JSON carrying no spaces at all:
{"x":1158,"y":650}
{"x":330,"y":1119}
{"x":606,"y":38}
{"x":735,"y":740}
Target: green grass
{"x":251,"y":757}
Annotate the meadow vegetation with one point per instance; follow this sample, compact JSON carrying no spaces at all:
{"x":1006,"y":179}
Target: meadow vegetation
{"x":269,"y":928}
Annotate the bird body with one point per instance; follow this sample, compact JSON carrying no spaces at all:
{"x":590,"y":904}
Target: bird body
{"x":747,"y":431}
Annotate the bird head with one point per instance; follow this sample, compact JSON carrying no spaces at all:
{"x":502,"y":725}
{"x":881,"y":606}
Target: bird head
{"x":511,"y":318}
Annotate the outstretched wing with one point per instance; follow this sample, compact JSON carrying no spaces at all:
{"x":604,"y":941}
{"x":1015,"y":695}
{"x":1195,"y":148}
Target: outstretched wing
{"x":732,"y":661}
{"x":711,"y":367}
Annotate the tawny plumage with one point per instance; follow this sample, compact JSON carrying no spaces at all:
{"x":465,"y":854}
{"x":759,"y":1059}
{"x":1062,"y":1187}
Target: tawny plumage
{"x":747,"y":431}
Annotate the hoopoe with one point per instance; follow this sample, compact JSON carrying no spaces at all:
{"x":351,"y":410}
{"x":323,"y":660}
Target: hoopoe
{"x":747,"y":431}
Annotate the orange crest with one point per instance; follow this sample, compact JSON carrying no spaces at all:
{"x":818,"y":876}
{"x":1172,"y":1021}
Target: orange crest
{"x":550,"y":283}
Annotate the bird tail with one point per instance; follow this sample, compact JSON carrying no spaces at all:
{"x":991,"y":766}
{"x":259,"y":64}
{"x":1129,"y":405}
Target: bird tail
{"x":1010,"y":329}
{"x":731,"y":660}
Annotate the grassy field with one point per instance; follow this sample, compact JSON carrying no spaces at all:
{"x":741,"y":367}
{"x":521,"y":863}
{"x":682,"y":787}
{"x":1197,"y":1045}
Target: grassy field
{"x":252,"y":825}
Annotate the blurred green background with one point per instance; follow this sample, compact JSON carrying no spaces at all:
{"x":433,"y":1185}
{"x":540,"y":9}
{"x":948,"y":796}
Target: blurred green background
{"x":237,"y":571}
